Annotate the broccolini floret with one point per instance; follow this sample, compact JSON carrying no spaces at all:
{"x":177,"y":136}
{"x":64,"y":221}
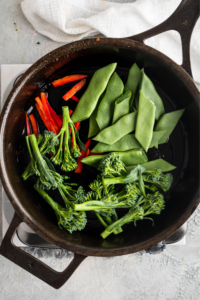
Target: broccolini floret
{"x":164,"y":182}
{"x":64,"y":215}
{"x":151,"y":204}
{"x":111,"y":166}
{"x":45,"y":177}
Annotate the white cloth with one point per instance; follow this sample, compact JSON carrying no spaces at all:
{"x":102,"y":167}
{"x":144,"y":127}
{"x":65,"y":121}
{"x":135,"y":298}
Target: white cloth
{"x":71,"y":20}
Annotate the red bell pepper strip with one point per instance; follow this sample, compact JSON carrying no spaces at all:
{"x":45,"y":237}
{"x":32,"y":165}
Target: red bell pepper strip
{"x":87,"y":153}
{"x":34,"y":124}
{"x":73,"y":90}
{"x":70,"y":112}
{"x":67,"y":79}
{"x":54,"y":127}
{"x":28,"y":129}
{"x":55,"y":116}
{"x":83,"y":154}
{"x":75,"y":98}
{"x":40,"y":109}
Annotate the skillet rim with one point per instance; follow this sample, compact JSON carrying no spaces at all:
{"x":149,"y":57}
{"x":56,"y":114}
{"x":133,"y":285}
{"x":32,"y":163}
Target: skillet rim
{"x":33,"y":70}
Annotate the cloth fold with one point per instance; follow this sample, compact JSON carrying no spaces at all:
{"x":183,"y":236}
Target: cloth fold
{"x":67,"y":21}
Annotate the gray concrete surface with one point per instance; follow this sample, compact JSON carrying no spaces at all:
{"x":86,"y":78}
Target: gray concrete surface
{"x":174,"y":274}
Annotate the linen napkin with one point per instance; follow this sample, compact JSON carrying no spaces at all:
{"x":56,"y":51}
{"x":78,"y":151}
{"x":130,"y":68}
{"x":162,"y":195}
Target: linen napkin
{"x":71,"y":20}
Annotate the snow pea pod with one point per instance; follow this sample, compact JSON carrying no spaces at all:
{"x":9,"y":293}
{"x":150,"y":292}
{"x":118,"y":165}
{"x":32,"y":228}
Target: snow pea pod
{"x":145,"y":121}
{"x":155,"y":138}
{"x":155,"y":164}
{"x":96,"y":87}
{"x":116,"y":131}
{"x":168,"y":122}
{"x":148,"y":89}
{"x":106,"y":107}
{"x":135,"y":156}
{"x":122,"y":107}
{"x":132,"y":82}
{"x":93,"y":126}
{"x":127,"y":142}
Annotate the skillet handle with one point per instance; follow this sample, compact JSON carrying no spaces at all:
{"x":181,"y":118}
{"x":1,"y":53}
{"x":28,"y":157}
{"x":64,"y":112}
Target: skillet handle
{"x":182,"y":20}
{"x":32,"y":264}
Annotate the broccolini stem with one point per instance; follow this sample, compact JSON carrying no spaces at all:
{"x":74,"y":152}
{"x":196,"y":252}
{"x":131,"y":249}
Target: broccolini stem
{"x":28,"y":146}
{"x":116,"y":224}
{"x":46,"y":197}
{"x":40,"y":161}
{"x":101,"y":219}
{"x":92,"y":205}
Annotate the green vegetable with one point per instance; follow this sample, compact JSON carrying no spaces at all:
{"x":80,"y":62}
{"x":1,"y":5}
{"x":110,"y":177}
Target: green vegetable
{"x":155,"y":164}
{"x":131,"y":177}
{"x":64,"y":215}
{"x":145,"y":121}
{"x":105,"y":215}
{"x":111,"y":165}
{"x":135,"y":156}
{"x":127,"y":142}
{"x":155,"y":138}
{"x":64,"y":156}
{"x":132,"y":83}
{"x":93,"y":126}
{"x":168,"y":122}
{"x":78,"y":220}
{"x":48,"y":143}
{"x":164,"y":182}
{"x":151,"y":204}
{"x":148,"y":89}
{"x":96,"y":87}
{"x":126,"y":198}
{"x":115,"y":132}
{"x":47,"y":178}
{"x":122,"y":107}
{"x":106,"y":107}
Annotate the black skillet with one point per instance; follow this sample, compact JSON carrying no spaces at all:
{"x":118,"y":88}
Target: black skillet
{"x":175,"y":85}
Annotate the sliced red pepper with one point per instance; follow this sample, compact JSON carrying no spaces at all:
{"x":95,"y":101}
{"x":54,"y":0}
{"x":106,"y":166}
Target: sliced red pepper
{"x":28,"y":129}
{"x":77,"y":125}
{"x":87,"y":153}
{"x":67,"y":79}
{"x":34,"y":124}
{"x":75,"y":98}
{"x":55,"y":116}
{"x":87,"y":144}
{"x":40,"y":109}
{"x":70,"y":112}
{"x":54,"y":127}
{"x":73,"y":90}
{"x":83,"y":154}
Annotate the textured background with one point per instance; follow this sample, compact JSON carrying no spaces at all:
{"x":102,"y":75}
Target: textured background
{"x":174,"y":274}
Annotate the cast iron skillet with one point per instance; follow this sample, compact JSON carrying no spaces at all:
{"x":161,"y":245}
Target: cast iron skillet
{"x":175,"y":84}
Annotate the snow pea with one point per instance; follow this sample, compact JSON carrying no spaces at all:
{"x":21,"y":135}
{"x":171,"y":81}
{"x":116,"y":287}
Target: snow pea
{"x":116,"y":131}
{"x":145,"y":121}
{"x":155,"y":164}
{"x":168,"y":122}
{"x":93,"y":126}
{"x":155,"y":138}
{"x":135,"y":156}
{"x":122,"y":107}
{"x":106,"y":107}
{"x":127,"y":142}
{"x":96,"y":87}
{"x":148,"y":89}
{"x":132,"y":82}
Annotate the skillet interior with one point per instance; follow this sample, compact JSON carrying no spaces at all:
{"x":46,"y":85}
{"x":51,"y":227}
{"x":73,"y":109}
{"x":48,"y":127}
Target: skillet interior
{"x":182,"y":149}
